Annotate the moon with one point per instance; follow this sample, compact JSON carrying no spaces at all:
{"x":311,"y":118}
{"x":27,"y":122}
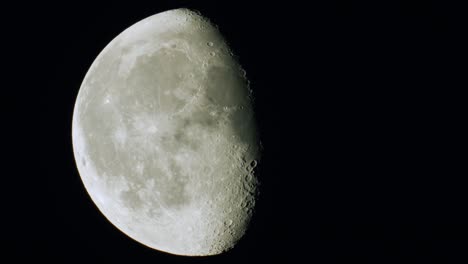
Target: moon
{"x":165,"y":138}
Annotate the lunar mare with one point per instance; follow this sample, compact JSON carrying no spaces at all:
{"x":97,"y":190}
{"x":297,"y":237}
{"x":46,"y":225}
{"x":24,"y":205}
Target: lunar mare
{"x":164,"y":136}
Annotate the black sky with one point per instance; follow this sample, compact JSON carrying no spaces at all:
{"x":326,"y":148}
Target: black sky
{"x":359,"y":107}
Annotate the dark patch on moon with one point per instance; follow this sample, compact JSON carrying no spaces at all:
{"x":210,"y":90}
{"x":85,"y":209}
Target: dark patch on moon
{"x":131,"y":199}
{"x":173,"y":186}
{"x":222,"y":87}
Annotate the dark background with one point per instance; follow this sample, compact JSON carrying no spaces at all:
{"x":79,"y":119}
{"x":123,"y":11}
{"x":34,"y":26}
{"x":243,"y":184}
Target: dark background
{"x":360,"y":113}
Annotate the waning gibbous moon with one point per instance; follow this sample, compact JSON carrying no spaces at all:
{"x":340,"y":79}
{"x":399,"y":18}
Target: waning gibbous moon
{"x":164,"y":136}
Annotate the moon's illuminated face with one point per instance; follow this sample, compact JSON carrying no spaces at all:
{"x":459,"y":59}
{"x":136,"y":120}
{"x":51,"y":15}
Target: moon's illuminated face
{"x":164,"y":136}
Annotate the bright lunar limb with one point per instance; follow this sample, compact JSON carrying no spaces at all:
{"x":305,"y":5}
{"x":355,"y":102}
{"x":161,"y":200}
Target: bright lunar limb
{"x":164,"y":136}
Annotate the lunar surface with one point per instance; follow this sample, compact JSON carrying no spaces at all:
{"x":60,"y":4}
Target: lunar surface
{"x":164,"y":136}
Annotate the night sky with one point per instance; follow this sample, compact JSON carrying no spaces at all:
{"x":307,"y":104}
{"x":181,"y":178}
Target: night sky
{"x":359,"y":109}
